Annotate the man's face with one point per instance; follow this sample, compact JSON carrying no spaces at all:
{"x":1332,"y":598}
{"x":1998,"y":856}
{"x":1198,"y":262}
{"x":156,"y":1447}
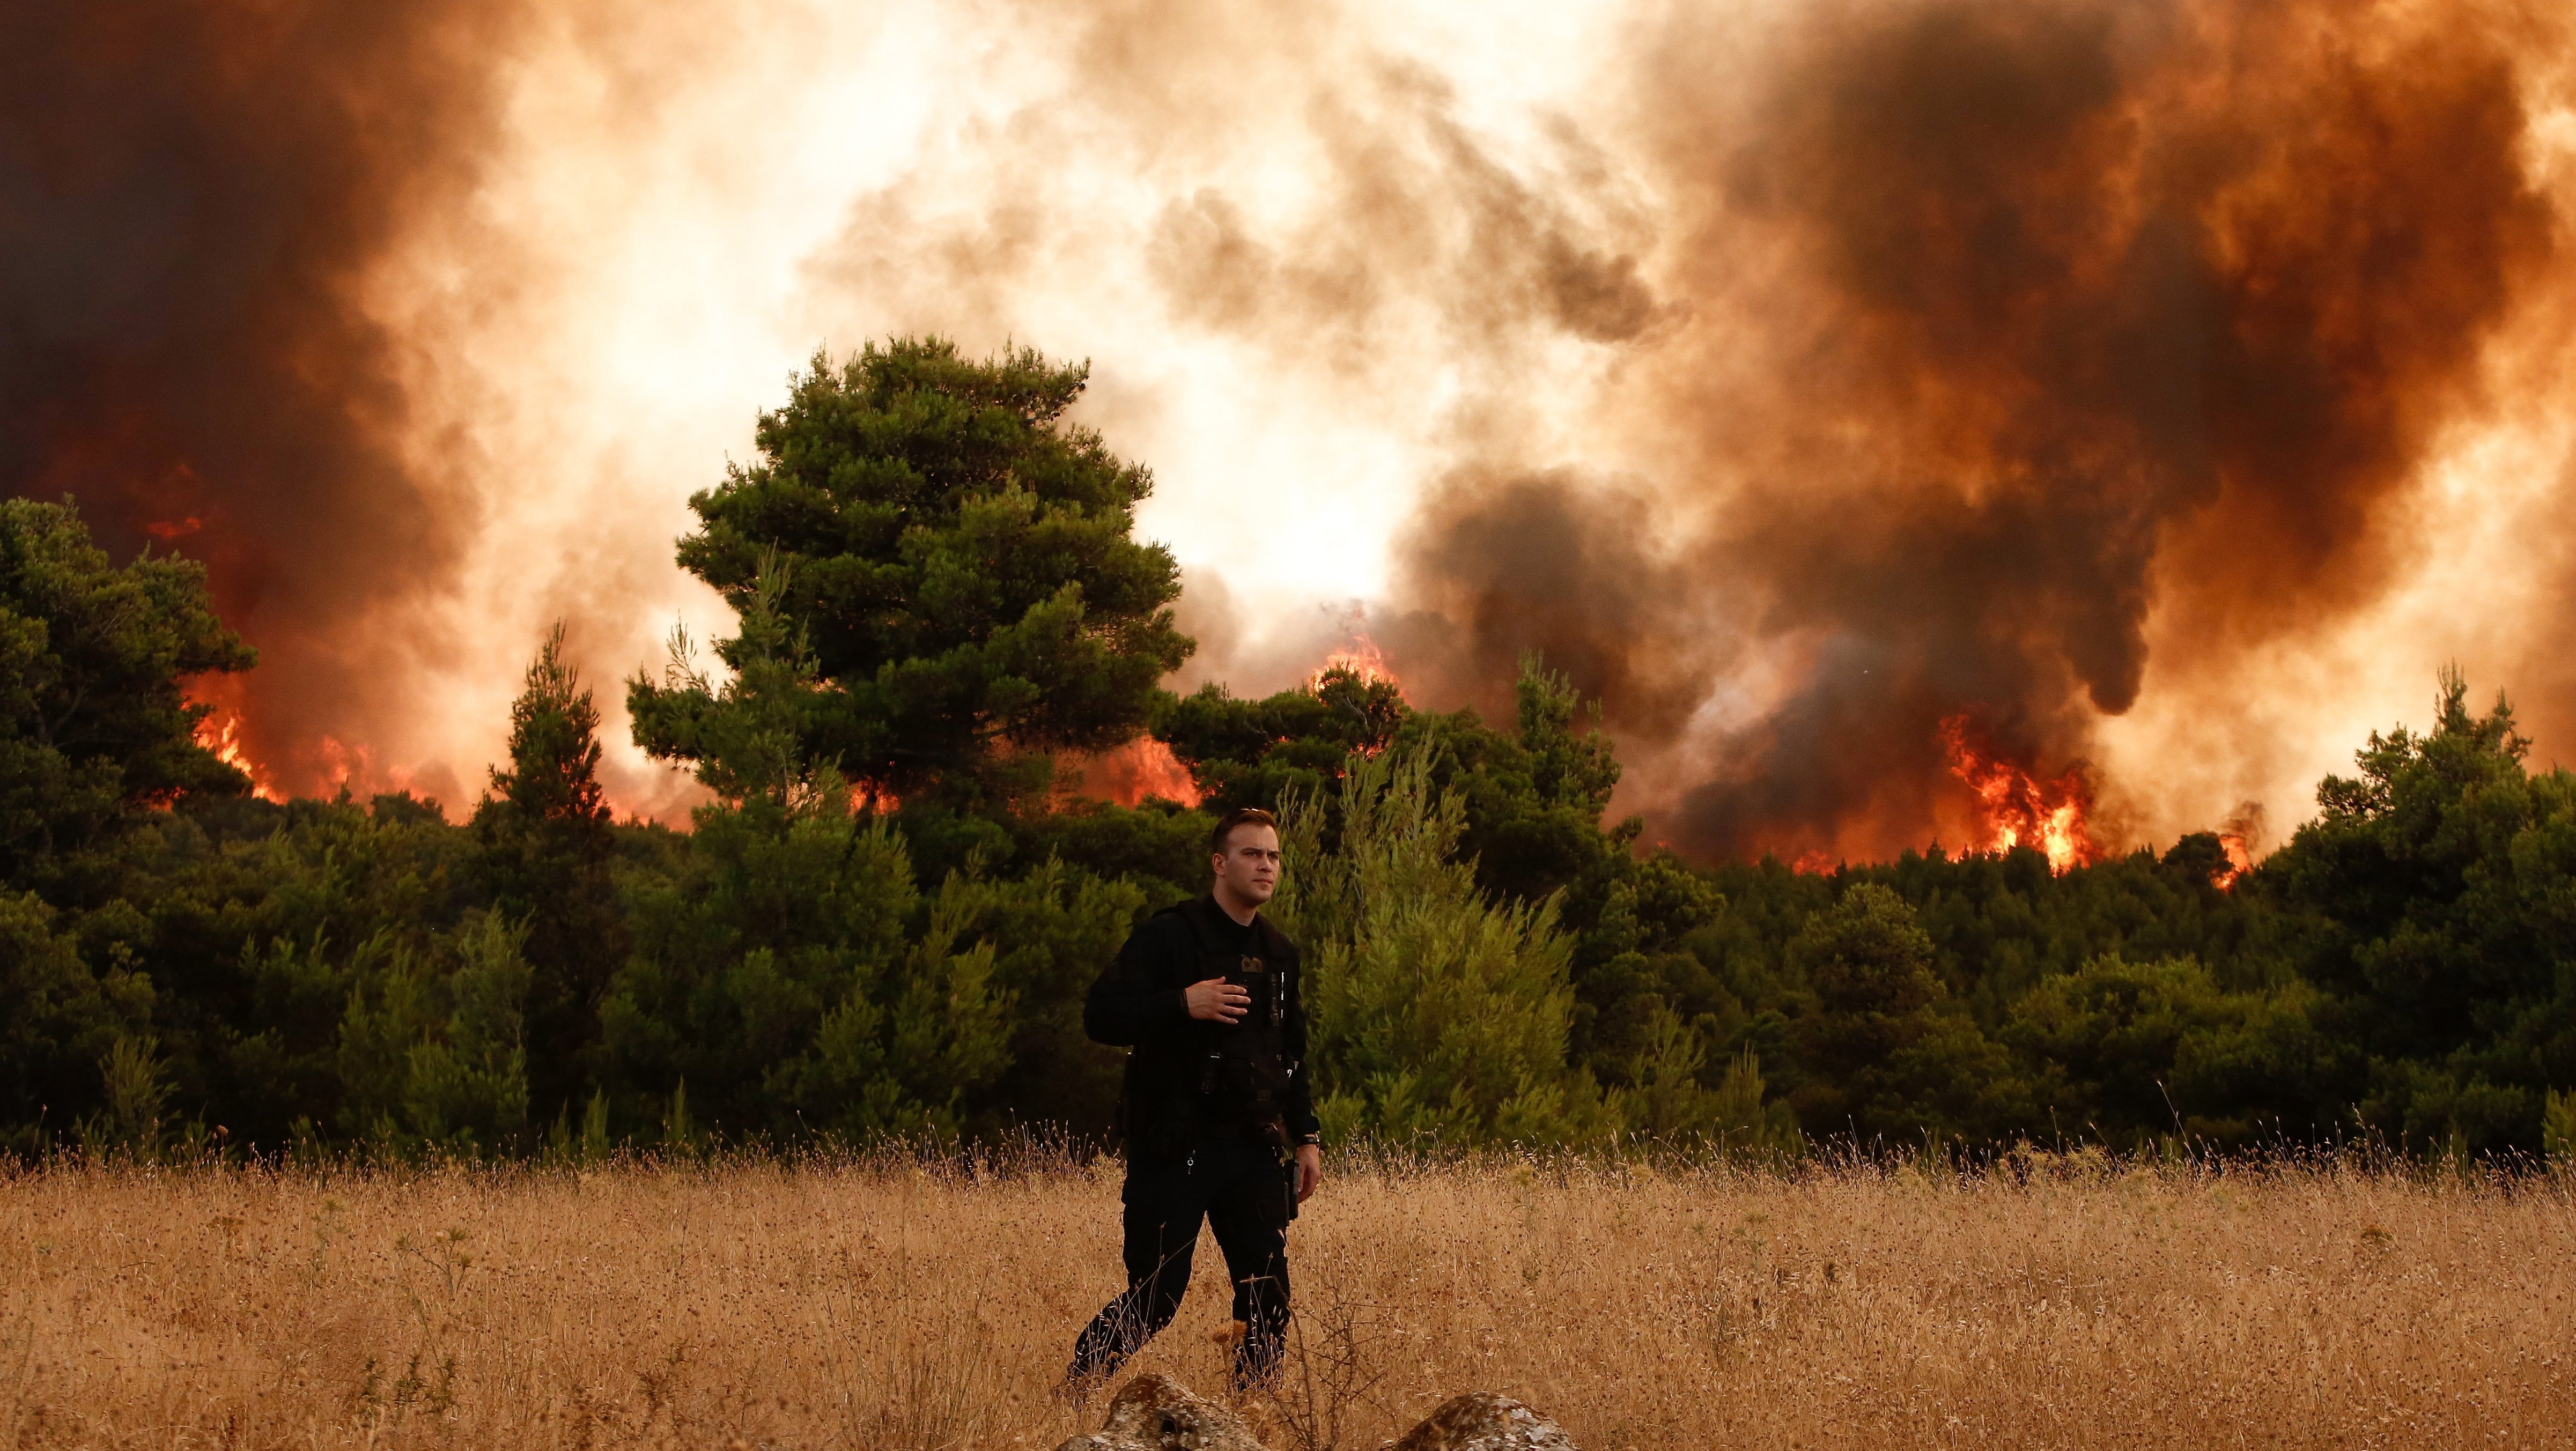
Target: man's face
{"x":1248,"y":868}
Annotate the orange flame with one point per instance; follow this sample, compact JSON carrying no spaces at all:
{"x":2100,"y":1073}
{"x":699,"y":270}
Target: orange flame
{"x":352,"y":768}
{"x":1362,"y":659}
{"x":220,"y":734}
{"x":2019,"y":810}
{"x":1813,"y":863}
{"x":2240,"y":860}
{"x":166,"y":530}
{"x":1142,"y":768}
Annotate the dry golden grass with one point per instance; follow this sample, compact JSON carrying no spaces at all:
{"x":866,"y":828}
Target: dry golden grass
{"x":881,"y":1308}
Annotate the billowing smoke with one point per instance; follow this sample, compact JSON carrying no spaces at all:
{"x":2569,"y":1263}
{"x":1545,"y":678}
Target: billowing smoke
{"x":2019,"y":330}
{"x":191,"y":199}
{"x":2161,"y":388}
{"x":1547,"y":563}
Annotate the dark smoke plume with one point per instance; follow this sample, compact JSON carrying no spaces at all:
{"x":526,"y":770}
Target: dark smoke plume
{"x":191,"y":198}
{"x":2016,"y":329}
{"x":2017,"y":359}
{"x":1548,"y":563}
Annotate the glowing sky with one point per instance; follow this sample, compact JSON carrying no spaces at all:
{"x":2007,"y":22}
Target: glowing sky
{"x":1272,"y":229}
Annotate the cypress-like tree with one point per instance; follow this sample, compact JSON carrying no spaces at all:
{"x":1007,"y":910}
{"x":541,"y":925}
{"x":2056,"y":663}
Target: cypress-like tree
{"x":544,"y":839}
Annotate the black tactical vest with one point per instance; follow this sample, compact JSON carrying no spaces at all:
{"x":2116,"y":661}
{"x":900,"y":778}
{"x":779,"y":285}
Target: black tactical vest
{"x":1243,"y":1067}
{"x":1219,"y":1078}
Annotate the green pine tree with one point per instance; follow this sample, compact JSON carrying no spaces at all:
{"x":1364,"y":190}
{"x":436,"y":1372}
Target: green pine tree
{"x":952,"y":557}
{"x":1438,"y":1011}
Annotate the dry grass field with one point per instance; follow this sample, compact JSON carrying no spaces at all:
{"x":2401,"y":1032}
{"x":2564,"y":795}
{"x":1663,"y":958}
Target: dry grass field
{"x":891,"y":1308}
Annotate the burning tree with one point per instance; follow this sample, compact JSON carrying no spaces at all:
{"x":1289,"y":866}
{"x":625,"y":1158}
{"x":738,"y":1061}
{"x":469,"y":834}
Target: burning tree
{"x":2019,"y":809}
{"x":94,"y":726}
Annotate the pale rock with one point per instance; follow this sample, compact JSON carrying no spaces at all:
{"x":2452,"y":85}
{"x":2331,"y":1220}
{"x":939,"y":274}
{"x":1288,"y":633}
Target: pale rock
{"x":1483,"y":1421}
{"x":1157,"y":1413}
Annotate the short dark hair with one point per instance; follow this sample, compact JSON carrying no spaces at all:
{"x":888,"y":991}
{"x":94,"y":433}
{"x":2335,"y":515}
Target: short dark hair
{"x":1239,"y":816}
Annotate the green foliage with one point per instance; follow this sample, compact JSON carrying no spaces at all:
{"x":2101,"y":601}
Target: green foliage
{"x":1256,"y":752}
{"x":545,"y":843}
{"x":57,"y":1018}
{"x":1890,"y":1056}
{"x":788,"y":968}
{"x":2414,"y":863}
{"x":2126,"y":1052}
{"x":94,"y":729}
{"x":750,"y":738}
{"x":2558,"y":1126}
{"x":255,"y":922}
{"x":2438,"y":892}
{"x":1668,"y":1101}
{"x":371,"y":971}
{"x":1438,"y":1011}
{"x":432,"y":1046}
{"x":936,"y":589}
{"x":1160,"y":847}
{"x":1529,"y":837}
{"x":553,"y":780}
{"x":1049,"y":932}
{"x":776,"y":975}
{"x":1533,"y":799}
{"x":136,"y":1094}
{"x":953,"y":559}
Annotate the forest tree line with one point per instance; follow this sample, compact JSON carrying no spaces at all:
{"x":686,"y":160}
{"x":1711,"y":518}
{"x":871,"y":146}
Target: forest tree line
{"x":884,"y":922}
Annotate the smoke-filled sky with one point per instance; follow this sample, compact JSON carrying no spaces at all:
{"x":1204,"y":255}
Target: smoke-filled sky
{"x":2170,"y":387}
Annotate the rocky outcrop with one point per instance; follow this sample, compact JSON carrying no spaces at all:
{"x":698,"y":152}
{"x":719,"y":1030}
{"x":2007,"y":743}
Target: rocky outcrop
{"x":1157,"y":1413}
{"x":1484,"y":1421}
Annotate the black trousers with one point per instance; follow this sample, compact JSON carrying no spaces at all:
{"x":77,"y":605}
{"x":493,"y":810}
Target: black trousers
{"x":1239,"y":1188}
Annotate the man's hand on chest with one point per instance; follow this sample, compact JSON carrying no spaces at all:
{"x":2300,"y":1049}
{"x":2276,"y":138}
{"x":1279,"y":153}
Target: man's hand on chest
{"x":1217,"y":1001}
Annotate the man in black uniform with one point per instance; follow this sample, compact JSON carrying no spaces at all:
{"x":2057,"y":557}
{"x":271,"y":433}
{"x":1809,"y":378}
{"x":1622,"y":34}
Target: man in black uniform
{"x":1206,"y":994}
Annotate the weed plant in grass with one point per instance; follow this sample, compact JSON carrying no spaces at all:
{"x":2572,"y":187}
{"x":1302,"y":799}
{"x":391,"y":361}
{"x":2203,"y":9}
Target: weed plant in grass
{"x":889,"y":1305}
